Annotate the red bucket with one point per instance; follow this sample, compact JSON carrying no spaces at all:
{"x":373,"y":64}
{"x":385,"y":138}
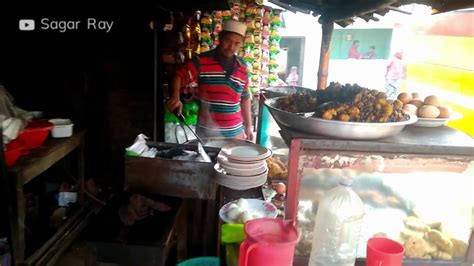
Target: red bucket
{"x":35,"y":134}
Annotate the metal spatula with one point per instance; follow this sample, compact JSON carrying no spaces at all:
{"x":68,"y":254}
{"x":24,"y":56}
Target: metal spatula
{"x":200,"y":143}
{"x":183,"y":120}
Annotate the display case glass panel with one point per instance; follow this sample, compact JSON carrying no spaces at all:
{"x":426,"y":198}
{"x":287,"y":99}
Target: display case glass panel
{"x":427,"y":198}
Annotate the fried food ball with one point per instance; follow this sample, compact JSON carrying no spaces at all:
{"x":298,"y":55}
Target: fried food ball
{"x":387,"y":110}
{"x":343,"y":117}
{"x":329,"y":114}
{"x":398,"y":104}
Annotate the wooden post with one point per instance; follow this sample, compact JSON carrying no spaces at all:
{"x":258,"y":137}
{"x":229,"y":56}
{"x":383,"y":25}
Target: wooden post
{"x":328,"y":27}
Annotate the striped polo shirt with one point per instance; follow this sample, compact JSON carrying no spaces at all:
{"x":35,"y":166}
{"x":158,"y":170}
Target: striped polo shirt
{"x":219,"y":94}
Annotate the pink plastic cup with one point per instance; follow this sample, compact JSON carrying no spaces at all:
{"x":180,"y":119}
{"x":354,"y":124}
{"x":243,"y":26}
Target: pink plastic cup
{"x":384,"y":252}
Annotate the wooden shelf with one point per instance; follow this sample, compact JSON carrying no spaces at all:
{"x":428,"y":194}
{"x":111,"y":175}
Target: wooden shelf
{"x":30,"y":166}
{"x":27,"y":168}
{"x":51,"y":250}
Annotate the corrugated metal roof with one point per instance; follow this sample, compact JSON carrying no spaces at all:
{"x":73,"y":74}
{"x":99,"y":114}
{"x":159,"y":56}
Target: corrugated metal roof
{"x":343,"y":12}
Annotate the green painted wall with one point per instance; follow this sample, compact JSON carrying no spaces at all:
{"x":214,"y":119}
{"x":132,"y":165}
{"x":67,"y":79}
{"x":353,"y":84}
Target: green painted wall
{"x":380,"y":38}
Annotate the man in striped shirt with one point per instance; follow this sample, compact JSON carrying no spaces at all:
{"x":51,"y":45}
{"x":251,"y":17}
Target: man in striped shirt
{"x":222,"y":87}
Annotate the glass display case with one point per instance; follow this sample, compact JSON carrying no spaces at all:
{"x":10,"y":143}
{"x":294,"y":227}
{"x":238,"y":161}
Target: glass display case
{"x":417,"y":188}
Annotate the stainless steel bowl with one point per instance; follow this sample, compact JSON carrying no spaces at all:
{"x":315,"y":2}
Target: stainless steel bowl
{"x":337,"y":129}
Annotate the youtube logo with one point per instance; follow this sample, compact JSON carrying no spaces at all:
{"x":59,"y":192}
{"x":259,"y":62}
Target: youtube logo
{"x":26,"y":25}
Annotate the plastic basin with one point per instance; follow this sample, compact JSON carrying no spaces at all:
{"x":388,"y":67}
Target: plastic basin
{"x":201,"y":261}
{"x":35,"y":134}
{"x":13,"y":151}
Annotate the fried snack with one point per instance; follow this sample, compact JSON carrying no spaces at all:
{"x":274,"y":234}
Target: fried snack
{"x":284,"y":173}
{"x":298,"y":103}
{"x":441,"y":255}
{"x":442,"y":242}
{"x":357,"y":104}
{"x":430,"y":247}
{"x":276,"y":168}
{"x":407,"y":234}
{"x":416,"y":224}
{"x":436,"y":226}
{"x":415,"y":248}
{"x":459,"y":248}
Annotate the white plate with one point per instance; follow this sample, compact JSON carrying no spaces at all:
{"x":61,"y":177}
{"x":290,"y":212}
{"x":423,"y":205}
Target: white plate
{"x":436,"y":122}
{"x":226,"y":162}
{"x":236,"y":185}
{"x":240,"y":182}
{"x":254,"y":205}
{"x":222,"y":171}
{"x":246,"y":152}
{"x":242,"y":171}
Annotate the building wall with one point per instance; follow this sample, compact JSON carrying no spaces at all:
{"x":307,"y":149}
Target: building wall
{"x":441,"y":62}
{"x":342,"y":40}
{"x":307,"y":26}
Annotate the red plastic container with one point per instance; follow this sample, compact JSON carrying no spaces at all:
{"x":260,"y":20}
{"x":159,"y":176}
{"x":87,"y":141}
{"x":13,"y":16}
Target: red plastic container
{"x":384,"y":252}
{"x":270,"y":242}
{"x":35,"y":134}
{"x":13,"y":151}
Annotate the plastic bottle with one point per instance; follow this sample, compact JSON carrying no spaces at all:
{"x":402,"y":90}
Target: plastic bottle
{"x":337,"y":227}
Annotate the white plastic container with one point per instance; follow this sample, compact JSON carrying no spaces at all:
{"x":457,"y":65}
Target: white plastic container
{"x":337,"y":227}
{"x":62,"y":128}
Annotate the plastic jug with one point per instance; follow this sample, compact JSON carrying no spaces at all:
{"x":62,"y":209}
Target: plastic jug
{"x":269,"y":242}
{"x":337,"y":227}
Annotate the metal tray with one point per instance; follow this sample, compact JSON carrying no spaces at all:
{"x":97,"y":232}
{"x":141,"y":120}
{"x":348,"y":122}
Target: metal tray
{"x":336,"y":129}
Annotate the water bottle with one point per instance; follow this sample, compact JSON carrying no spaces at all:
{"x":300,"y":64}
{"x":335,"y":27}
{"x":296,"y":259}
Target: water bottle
{"x":337,"y":227}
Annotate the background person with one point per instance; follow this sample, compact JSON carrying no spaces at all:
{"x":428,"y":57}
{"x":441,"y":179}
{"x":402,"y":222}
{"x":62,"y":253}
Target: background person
{"x":354,"y":50}
{"x":396,"y":72}
{"x":370,"y":54}
{"x":292,"y":79}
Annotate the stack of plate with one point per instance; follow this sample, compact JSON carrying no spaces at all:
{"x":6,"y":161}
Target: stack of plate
{"x":241,"y":165}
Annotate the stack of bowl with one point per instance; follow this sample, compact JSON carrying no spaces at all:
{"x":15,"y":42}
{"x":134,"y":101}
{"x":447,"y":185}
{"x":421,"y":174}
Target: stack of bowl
{"x":242,"y":165}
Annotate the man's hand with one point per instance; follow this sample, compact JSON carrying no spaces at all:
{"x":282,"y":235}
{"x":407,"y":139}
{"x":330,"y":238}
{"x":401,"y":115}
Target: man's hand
{"x":175,"y":106}
{"x":249,"y":134}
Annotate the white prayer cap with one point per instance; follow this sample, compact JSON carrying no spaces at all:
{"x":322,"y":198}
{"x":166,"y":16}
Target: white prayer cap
{"x":234,"y":26}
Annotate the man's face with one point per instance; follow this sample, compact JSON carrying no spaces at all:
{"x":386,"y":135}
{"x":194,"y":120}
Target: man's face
{"x":230,"y":43}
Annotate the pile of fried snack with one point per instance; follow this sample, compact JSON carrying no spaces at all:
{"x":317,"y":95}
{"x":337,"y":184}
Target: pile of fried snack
{"x":276,"y":168}
{"x":349,"y":102}
{"x":430,"y":241}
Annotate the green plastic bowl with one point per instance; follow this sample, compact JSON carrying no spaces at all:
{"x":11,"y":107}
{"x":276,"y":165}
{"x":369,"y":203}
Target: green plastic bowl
{"x":201,"y":261}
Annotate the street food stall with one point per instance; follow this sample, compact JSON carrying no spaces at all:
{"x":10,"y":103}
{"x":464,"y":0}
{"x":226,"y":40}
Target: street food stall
{"x":415,"y":181}
{"x":390,"y":162}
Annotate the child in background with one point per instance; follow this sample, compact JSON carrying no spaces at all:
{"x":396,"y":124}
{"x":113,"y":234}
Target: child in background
{"x":292,"y":79}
